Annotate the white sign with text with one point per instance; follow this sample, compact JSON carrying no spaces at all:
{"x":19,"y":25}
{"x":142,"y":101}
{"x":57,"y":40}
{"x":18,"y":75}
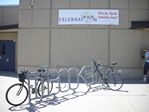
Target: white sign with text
{"x":88,"y":16}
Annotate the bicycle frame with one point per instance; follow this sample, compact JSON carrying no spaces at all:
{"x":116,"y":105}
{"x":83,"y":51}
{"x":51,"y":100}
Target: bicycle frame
{"x":104,"y":76}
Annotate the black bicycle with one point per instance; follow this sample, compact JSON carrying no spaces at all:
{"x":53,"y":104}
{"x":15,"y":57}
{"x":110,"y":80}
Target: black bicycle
{"x":18,"y":93}
{"x":112,"y":79}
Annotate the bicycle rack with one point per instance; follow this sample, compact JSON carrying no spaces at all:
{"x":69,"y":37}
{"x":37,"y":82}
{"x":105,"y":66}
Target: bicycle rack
{"x":43,"y":76}
{"x":54,"y":77}
{"x":64,"y":80}
{"x":70,"y":74}
{"x":32,"y":76}
{"x":86,"y":75}
{"x":73,"y":71}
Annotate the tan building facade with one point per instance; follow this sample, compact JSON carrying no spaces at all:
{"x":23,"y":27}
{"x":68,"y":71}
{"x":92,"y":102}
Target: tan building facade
{"x":40,"y":40}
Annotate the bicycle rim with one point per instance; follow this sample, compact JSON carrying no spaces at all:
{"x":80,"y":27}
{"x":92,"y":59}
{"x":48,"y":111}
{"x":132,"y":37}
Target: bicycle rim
{"x":45,"y":88}
{"x":16,"y":94}
{"x":114,"y":81}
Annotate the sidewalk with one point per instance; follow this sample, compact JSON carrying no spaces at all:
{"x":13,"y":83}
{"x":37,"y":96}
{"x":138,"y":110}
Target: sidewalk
{"x":133,"y":97}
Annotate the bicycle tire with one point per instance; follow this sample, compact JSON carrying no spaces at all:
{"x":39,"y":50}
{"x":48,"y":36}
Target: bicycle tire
{"x":21,"y":92}
{"x":114,"y":81}
{"x":45,"y":88}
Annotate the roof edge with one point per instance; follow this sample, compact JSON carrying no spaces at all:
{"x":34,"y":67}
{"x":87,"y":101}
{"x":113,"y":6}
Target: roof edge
{"x":10,"y":26}
{"x":139,"y":25}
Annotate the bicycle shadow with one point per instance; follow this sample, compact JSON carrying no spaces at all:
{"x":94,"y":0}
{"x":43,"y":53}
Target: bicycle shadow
{"x":52,"y":100}
{"x":48,"y":101}
{"x":58,"y":98}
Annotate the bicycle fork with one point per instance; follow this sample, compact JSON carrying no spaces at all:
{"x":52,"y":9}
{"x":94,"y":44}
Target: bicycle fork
{"x":20,"y":90}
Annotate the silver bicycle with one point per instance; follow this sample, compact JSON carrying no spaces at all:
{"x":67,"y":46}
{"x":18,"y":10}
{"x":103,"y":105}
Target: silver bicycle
{"x":111,"y":77}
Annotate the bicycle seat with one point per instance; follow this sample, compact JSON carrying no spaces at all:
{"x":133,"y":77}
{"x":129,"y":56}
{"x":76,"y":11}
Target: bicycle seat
{"x":113,"y":63}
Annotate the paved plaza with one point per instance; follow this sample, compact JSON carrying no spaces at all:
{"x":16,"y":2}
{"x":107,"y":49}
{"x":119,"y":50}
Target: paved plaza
{"x":133,"y":97}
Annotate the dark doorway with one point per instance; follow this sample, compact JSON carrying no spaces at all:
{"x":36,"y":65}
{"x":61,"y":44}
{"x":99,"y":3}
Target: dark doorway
{"x":7,"y":55}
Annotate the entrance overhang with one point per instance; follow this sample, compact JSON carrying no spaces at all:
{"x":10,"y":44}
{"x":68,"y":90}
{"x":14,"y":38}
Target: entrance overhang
{"x":143,"y":25}
{"x":9,"y":28}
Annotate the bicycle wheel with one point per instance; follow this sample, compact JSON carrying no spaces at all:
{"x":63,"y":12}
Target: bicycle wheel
{"x":16,"y":94}
{"x":114,"y":81}
{"x":45,"y":88}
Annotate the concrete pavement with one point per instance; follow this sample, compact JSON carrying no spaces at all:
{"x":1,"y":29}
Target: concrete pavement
{"x":133,"y":97}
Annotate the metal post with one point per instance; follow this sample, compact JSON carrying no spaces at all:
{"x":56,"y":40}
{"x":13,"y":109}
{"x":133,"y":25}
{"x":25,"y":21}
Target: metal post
{"x":42,"y":81}
{"x":36,"y":87}
{"x":28,"y":75}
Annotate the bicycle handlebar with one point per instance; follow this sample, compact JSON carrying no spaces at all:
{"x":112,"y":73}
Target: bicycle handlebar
{"x":96,"y":63}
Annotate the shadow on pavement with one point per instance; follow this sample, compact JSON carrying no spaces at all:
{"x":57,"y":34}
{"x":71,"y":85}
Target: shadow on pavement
{"x":56,"y":99}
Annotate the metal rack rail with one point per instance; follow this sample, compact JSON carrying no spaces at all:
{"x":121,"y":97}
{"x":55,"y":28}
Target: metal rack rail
{"x":46,"y":75}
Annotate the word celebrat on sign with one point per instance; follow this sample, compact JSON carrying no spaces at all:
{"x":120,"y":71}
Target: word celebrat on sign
{"x":99,"y":17}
